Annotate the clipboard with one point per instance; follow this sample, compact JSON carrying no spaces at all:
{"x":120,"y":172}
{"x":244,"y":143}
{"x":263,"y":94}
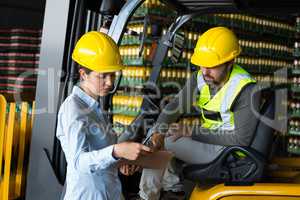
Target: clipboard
{"x":155,"y":160}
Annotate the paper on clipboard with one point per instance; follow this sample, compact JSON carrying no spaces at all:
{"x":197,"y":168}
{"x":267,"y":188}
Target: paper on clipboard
{"x":155,"y":160}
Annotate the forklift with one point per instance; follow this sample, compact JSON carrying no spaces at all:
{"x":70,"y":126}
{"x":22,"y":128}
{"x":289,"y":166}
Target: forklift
{"x":227,"y":177}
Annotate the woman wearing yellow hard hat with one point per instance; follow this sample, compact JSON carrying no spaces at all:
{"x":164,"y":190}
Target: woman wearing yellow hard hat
{"x":86,"y":136}
{"x":221,"y":90}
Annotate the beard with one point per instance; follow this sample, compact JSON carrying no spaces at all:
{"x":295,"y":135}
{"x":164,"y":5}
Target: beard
{"x":217,"y":81}
{"x":210,"y":81}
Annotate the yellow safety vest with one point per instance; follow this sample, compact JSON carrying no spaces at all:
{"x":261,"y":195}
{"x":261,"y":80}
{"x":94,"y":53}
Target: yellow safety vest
{"x":216,"y":112}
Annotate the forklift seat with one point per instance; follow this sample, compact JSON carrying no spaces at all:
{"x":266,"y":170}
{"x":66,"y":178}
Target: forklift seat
{"x":238,"y":165}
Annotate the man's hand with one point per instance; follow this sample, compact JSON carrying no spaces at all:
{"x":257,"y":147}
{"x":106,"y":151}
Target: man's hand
{"x":158,"y":141}
{"x":177,"y":131}
{"x":129,"y":170}
{"x":130,"y":150}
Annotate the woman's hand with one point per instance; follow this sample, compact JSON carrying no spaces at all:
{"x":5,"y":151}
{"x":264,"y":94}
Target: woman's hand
{"x":130,"y":150}
{"x":129,"y":170}
{"x":177,"y":131}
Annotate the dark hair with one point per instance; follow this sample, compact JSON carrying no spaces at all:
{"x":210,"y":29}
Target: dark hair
{"x":86,"y":70}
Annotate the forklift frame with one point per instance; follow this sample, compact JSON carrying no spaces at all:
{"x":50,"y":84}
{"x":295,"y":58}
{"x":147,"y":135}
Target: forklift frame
{"x":44,"y":176}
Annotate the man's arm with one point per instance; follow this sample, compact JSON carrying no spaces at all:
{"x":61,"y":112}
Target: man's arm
{"x":182,"y":103}
{"x":244,"y":120}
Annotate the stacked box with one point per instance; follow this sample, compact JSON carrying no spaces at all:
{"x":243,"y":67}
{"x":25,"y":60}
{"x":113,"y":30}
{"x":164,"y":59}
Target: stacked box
{"x":293,"y":133}
{"x":19,"y":58}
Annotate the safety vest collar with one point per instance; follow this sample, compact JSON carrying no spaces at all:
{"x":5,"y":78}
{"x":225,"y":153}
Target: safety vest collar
{"x":222,"y":102}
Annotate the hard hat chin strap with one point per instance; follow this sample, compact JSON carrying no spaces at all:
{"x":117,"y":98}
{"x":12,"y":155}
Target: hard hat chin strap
{"x":116,"y":85}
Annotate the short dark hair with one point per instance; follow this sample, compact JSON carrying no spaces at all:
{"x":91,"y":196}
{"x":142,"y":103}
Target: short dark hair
{"x":86,"y":70}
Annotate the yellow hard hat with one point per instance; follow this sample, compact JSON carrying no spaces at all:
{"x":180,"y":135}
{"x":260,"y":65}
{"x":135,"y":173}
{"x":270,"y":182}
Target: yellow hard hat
{"x":97,"y":52}
{"x":214,"y":47}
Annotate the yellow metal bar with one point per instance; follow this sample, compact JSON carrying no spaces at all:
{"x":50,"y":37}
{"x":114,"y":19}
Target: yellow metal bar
{"x":21,"y":153}
{"x":14,"y":155}
{"x":15,"y":134}
{"x":259,"y":198}
{"x":293,"y":162}
{"x":32,"y":115}
{"x":3,"y":105}
{"x":260,"y":189}
{"x":8,"y":151}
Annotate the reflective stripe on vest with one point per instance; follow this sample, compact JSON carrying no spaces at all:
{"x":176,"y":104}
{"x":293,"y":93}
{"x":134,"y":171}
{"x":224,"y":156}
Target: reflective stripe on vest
{"x":221,"y":103}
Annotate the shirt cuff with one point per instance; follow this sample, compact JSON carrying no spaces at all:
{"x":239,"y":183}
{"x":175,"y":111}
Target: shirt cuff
{"x":109,"y":151}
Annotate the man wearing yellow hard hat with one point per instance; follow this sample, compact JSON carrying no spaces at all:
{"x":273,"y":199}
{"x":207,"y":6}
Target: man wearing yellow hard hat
{"x":86,"y":137}
{"x":222,"y":92}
